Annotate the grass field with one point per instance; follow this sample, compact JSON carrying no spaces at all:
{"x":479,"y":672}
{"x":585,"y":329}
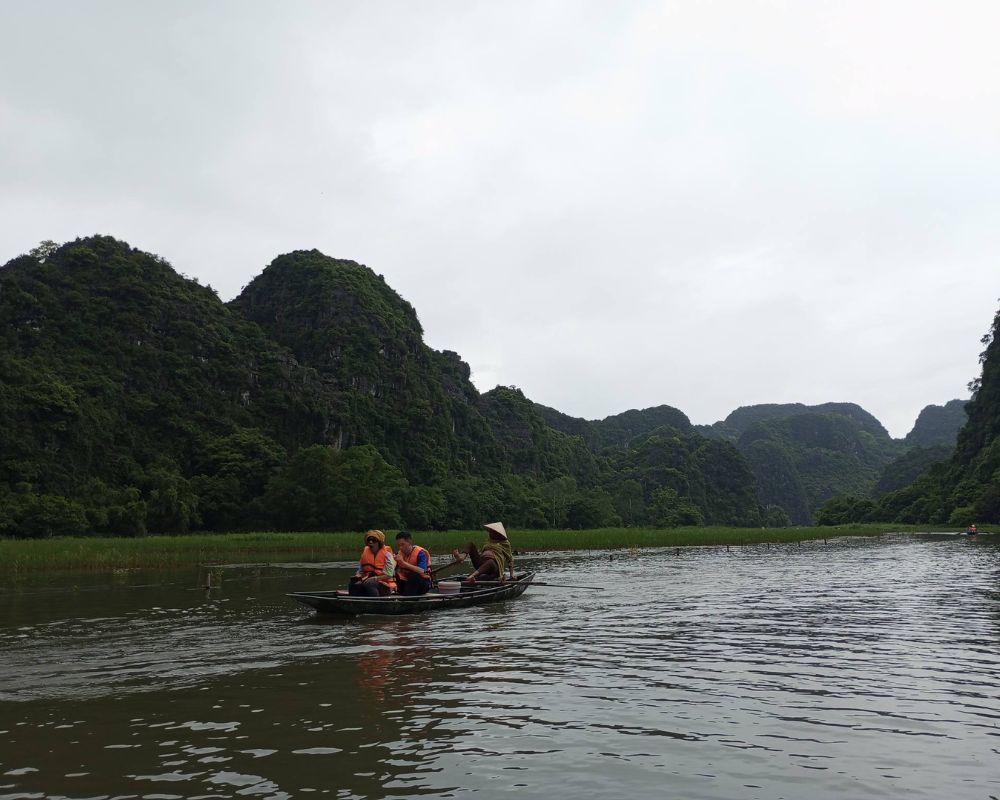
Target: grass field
{"x":22,"y":556}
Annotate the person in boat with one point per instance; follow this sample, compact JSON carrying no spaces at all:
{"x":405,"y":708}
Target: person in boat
{"x":972,"y":530}
{"x":376,"y":573}
{"x":493,"y":560}
{"x":413,"y":564}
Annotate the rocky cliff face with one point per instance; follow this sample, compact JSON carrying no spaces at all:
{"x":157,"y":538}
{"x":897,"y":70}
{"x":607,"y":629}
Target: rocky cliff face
{"x":972,"y":480}
{"x":966,"y":487}
{"x":380,"y":383}
{"x":804,"y":459}
{"x":938,"y":425}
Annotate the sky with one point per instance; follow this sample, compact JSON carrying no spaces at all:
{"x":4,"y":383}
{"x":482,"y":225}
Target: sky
{"x":608,"y":205}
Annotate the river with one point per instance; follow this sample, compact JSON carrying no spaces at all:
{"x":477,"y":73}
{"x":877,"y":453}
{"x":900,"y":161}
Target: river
{"x":856,"y":668}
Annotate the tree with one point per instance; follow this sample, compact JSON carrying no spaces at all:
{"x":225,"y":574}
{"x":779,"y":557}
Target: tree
{"x":669,"y":510}
{"x":27,"y":515}
{"x":424,"y":508}
{"x":775,"y":517}
{"x":843,"y":510}
{"x":369,"y":492}
{"x":44,"y":249}
{"x":300,"y":496}
{"x":233,"y":476}
{"x":341,"y":490}
{"x":114,"y":512}
{"x":558,"y":494}
{"x":630,"y":503}
{"x":472,"y":501}
{"x":171,"y":504}
{"x":593,"y":508}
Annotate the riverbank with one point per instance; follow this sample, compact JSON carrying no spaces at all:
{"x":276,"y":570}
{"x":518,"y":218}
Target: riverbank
{"x":22,"y":556}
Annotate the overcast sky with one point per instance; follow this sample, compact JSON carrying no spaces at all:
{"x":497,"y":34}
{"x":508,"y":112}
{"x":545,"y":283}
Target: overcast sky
{"x":610,"y":205}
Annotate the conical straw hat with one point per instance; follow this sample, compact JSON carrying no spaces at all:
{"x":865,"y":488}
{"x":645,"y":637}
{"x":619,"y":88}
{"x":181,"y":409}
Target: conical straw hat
{"x":496,"y":527}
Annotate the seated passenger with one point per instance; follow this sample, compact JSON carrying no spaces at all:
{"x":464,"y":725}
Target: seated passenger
{"x":375,"y":575}
{"x":495,"y":557}
{"x":413,"y":565}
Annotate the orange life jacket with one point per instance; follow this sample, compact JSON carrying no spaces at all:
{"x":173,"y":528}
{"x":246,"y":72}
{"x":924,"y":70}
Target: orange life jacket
{"x":375,"y":565}
{"x":415,"y":552}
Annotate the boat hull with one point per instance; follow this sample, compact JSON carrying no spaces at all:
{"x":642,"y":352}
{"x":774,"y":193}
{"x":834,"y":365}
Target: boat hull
{"x":339,"y":602}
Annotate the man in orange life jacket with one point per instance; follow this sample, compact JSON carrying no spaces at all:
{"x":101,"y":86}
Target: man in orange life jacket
{"x":413,"y":565}
{"x":376,"y":574}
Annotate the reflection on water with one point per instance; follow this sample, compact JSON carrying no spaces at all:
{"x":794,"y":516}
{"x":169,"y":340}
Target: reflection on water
{"x":863,"y":668}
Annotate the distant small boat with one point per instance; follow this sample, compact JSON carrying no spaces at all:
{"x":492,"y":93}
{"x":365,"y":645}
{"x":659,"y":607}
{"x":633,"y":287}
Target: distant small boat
{"x":340,"y":602}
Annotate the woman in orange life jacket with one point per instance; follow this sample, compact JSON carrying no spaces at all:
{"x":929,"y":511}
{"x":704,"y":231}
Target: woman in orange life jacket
{"x":413,"y":565}
{"x":495,"y":557}
{"x":376,"y":574}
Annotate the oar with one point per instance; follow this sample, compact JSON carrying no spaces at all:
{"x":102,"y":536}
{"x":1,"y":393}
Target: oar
{"x":444,"y":566}
{"x":540,"y":583}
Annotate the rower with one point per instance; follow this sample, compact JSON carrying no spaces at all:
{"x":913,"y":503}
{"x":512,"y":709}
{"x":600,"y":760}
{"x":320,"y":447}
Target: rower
{"x":495,"y":557}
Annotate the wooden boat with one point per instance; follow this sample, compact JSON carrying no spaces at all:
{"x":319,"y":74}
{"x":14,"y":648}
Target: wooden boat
{"x":340,"y":602}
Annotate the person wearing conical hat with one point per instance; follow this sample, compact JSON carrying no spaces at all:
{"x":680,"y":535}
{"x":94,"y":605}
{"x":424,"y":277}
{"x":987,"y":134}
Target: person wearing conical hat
{"x":493,"y":560}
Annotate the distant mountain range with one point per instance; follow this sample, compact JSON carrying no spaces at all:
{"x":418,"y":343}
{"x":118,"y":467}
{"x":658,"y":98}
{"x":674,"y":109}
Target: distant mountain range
{"x":800,"y":456}
{"x":136,"y":401}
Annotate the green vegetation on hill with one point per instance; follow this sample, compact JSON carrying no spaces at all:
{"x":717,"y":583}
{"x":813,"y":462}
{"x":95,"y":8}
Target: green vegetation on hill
{"x":962,"y":489}
{"x":938,"y":425}
{"x":803,"y":455}
{"x":908,"y":467}
{"x":803,"y":459}
{"x":745,"y":417}
{"x":379,"y":383}
{"x":136,"y":401}
{"x":617,"y":432}
{"x":120,"y":381}
{"x":663,"y":472}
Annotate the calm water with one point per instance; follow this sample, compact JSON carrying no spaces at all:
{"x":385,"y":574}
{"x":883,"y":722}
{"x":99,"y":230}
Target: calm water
{"x":854,"y":669}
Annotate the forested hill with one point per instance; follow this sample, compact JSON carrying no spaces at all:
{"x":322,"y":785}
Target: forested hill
{"x":119,"y":380}
{"x":960,"y":490}
{"x":938,"y":425}
{"x":617,"y":431}
{"x":804,"y":459}
{"x":802,"y":456}
{"x":743,"y":418}
{"x":379,"y":383}
{"x":134,"y":400}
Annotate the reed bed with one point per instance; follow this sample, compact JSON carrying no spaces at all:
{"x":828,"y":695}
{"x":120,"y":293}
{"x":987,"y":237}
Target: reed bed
{"x":22,"y":556}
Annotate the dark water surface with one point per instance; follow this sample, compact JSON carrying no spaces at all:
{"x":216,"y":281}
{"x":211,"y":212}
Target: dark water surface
{"x":856,"y":669}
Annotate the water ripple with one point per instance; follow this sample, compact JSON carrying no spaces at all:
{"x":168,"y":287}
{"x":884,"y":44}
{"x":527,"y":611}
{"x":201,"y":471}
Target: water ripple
{"x":860,"y":668}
